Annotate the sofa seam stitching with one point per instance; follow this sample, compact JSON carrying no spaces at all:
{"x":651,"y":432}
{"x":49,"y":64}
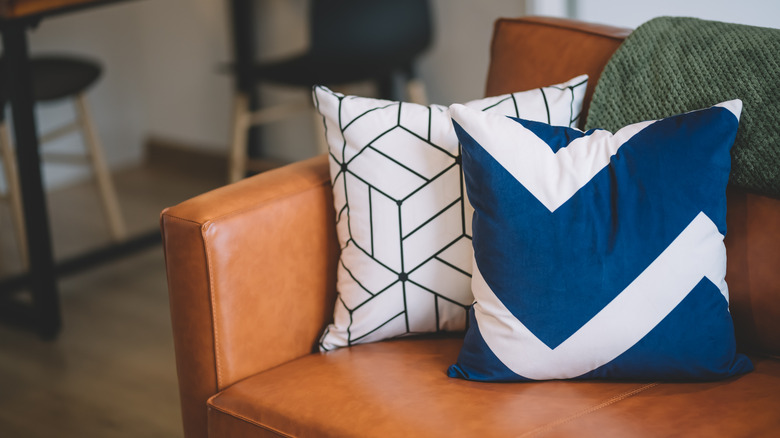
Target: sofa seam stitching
{"x":250,"y":421}
{"x":181,"y":219}
{"x":549,"y":426}
{"x":167,"y":215}
{"x":212,"y":299}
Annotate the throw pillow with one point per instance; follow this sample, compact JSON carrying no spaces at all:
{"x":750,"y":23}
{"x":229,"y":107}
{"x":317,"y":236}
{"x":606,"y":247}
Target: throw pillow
{"x":599,"y":255}
{"x":403,"y":223}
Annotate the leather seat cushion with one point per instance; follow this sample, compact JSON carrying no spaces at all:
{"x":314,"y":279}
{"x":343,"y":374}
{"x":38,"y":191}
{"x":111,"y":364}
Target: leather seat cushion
{"x":399,"y":388}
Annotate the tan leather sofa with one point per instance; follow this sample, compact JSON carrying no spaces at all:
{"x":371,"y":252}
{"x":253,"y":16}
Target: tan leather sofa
{"x":251,"y":271}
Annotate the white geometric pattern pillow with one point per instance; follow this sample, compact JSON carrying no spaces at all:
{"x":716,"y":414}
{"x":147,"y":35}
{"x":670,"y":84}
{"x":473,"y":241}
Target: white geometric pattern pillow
{"x":403,"y":220}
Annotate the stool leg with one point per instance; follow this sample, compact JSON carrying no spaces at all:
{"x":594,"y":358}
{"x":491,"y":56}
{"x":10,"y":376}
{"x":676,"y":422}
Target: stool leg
{"x":102,"y":175}
{"x":415,"y":88}
{"x":237,"y":161}
{"x":14,"y":193}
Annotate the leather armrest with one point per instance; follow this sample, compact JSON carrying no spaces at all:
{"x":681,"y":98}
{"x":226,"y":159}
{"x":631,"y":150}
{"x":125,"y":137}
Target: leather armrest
{"x":251,"y":277}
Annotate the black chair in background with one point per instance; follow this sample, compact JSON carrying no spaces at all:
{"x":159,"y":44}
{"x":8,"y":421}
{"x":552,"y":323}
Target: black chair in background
{"x":352,"y":41}
{"x":55,"y":78}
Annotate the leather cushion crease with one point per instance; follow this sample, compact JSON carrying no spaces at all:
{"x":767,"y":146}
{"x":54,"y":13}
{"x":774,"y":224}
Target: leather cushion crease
{"x":252,"y":273}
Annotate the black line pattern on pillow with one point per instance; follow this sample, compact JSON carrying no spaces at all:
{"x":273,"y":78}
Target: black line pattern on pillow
{"x":403,"y":275}
{"x":419,"y":288}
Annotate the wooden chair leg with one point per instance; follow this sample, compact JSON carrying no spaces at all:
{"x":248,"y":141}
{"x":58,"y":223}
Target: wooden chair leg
{"x":102,"y":175}
{"x":14,"y":192}
{"x":237,"y":161}
{"x":415,"y":89}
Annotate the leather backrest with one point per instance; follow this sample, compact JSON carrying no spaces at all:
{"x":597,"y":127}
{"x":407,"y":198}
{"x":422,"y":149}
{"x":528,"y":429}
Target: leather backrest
{"x":753,"y":273}
{"x":532,"y":52}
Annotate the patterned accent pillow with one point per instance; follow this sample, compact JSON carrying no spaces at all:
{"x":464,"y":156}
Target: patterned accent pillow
{"x":599,"y":255}
{"x":402,"y":221}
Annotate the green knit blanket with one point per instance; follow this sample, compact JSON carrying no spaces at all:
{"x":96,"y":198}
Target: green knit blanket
{"x":671,"y":65}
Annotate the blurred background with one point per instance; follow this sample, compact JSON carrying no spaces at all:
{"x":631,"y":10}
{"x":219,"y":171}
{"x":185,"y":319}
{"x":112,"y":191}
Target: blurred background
{"x":161,"y":59}
{"x":163,"y":111}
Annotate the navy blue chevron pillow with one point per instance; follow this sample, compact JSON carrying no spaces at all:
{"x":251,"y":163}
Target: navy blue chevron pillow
{"x":599,"y":255}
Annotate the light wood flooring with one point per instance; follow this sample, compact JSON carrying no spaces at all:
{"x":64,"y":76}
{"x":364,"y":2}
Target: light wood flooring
{"x":111,"y":371}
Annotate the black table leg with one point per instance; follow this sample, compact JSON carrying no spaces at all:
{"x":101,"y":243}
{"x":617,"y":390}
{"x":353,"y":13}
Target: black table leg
{"x":244,"y":29}
{"x":43,"y":282}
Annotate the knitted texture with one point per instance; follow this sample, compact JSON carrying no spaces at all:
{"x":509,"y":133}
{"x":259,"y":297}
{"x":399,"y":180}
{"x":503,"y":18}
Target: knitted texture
{"x":671,"y":65}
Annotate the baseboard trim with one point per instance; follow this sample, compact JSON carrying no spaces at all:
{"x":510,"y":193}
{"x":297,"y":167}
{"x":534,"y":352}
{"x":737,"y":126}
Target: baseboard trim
{"x":181,"y":156}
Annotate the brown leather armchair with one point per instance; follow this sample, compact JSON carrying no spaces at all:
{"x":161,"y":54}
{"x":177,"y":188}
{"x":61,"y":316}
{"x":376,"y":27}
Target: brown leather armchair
{"x":251,"y":271}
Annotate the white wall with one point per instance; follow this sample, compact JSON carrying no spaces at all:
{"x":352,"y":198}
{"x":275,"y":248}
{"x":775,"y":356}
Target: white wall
{"x":184,"y":45}
{"x":455,"y":69}
{"x":633,"y":13}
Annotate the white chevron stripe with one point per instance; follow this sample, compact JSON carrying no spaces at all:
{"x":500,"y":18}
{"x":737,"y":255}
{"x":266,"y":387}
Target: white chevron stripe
{"x":735,"y":106}
{"x":551,"y":177}
{"x":696,"y":253}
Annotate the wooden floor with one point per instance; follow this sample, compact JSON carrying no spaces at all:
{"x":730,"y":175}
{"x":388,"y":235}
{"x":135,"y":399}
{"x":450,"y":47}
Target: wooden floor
{"x":111,"y":372}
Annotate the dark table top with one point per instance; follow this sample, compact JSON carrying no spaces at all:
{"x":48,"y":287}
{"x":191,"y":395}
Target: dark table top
{"x":16,"y":9}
